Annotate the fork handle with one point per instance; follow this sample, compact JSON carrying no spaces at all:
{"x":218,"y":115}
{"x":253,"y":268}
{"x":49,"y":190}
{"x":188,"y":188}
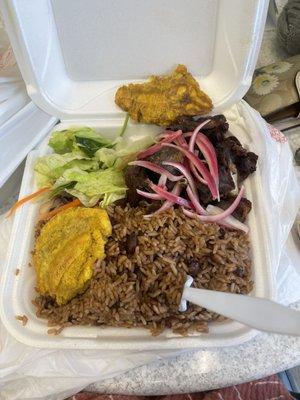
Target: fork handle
{"x":258,"y":313}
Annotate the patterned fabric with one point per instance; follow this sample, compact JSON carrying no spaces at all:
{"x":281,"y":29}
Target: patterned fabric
{"x":270,"y":388}
{"x":273,"y":87}
{"x":276,"y":134}
{"x":7,"y":58}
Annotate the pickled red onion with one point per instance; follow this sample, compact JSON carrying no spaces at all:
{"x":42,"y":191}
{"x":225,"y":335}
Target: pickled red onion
{"x":220,"y":216}
{"x":167,"y":204}
{"x":148,"y":195}
{"x":195,"y":133}
{"x":156,"y":168}
{"x":196,"y":173}
{"x":195,"y":201}
{"x":162,"y":180}
{"x":180,"y":141}
{"x":185,"y":173}
{"x":200,"y":167}
{"x":230,"y":221}
{"x":170,"y":196}
{"x":167,"y":133}
{"x":207,"y":150}
{"x":156,"y":147}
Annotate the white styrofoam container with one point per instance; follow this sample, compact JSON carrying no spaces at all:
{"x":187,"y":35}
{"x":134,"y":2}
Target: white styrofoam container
{"x":18,"y":291}
{"x":12,"y":104}
{"x":73,"y":55}
{"x":24,"y":130}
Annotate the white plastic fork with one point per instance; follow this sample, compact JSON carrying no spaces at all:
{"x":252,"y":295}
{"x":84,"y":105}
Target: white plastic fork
{"x":258,"y":313}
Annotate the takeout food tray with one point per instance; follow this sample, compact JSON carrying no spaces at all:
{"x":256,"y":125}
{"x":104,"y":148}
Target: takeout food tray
{"x":73,"y":74}
{"x":18,"y":291}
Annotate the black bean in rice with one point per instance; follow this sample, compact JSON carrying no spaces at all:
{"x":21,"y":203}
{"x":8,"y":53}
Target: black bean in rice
{"x":142,"y":287}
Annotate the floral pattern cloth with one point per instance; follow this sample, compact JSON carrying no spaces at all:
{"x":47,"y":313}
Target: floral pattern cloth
{"x":273,"y":87}
{"x":7,"y":58}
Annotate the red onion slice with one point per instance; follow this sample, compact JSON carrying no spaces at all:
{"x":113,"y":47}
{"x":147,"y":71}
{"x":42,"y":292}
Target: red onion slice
{"x":212,"y":163}
{"x":201,"y":137}
{"x":162,"y":180}
{"x":148,"y":195}
{"x":208,"y":152}
{"x":210,"y":158}
{"x":194,"y":135}
{"x":170,"y":196}
{"x":184,"y":172}
{"x":220,"y":216}
{"x":196,"y":173}
{"x":200,"y":167}
{"x":156,"y":168}
{"x":156,"y":147}
{"x":180,"y":141}
{"x":183,"y":143}
{"x":167,"y":133}
{"x":151,"y":150}
{"x":230,"y":221}
{"x":191,"y":189}
{"x":167,"y":204}
{"x":195,"y":201}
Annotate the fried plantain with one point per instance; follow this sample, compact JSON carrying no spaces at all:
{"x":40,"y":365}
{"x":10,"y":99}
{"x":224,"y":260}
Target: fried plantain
{"x":164,"y":98}
{"x":67,"y":249}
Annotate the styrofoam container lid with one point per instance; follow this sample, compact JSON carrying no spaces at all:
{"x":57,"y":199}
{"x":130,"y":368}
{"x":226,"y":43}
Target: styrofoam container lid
{"x":74,"y":54}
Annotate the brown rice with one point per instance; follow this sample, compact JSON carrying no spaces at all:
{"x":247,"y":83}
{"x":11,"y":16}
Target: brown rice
{"x":142,"y":286}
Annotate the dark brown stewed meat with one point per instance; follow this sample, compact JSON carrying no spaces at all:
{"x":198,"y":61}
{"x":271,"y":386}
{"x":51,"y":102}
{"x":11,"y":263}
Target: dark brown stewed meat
{"x":244,"y":160}
{"x":227,"y":148}
{"x":136,"y":177}
{"x":226,"y":185}
{"x":214,"y":130}
{"x":232,"y":158}
{"x":167,"y":154}
{"x":242,"y":209}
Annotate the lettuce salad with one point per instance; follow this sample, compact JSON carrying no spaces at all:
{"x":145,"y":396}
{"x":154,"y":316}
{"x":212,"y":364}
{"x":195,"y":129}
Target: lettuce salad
{"x":87,"y":165}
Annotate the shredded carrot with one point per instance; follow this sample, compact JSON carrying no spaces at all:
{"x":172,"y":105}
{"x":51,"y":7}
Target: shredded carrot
{"x":50,"y":214}
{"x":27,"y":198}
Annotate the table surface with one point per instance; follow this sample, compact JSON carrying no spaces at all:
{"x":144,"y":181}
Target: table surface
{"x":208,"y":369}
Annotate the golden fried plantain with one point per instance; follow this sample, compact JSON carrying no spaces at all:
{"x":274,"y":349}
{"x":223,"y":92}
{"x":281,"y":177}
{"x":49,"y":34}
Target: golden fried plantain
{"x":164,"y":98}
{"x":67,"y":249}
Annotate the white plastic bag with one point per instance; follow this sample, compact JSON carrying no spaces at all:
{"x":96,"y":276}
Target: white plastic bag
{"x":280,"y":187}
{"x":30,"y":373}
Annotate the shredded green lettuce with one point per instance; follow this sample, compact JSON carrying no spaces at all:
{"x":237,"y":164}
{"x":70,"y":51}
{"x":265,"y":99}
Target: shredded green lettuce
{"x":110,"y":198}
{"x":71,"y":140}
{"x":90,"y":187}
{"x":51,"y":167}
{"x":124,"y":151}
{"x":89,"y":166}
